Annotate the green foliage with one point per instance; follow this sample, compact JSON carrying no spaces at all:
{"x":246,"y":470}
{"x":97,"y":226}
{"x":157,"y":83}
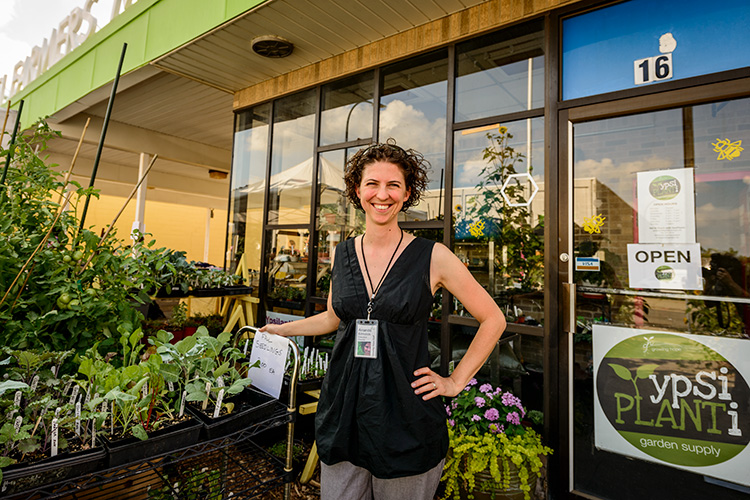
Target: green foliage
{"x":77,"y":287}
{"x":486,"y":434}
{"x":522,"y":239}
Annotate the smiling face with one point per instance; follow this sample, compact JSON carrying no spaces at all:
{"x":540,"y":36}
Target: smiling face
{"x":382,"y":191}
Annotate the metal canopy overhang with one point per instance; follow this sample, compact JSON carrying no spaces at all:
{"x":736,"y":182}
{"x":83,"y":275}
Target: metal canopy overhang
{"x":180,"y":104}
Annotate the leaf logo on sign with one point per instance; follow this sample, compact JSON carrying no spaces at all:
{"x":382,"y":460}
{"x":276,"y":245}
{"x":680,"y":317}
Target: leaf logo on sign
{"x":675,"y":399}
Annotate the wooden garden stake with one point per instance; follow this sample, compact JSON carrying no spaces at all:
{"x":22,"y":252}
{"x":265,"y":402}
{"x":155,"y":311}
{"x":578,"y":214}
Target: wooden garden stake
{"x":73,"y":161}
{"x":219,"y":399}
{"x":5,"y":121}
{"x":53,"y":451}
{"x":208,"y":393}
{"x":78,"y":418}
{"x":182,"y":403}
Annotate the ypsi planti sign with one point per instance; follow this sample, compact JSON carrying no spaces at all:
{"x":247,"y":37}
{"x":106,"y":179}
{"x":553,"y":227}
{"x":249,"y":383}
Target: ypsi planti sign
{"x":676,"y":399}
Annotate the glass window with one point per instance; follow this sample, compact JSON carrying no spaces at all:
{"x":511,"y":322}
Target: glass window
{"x":337,"y":220}
{"x":249,"y":161}
{"x":498,"y":213}
{"x":292,"y":159}
{"x":347,"y":111}
{"x":287,"y":254}
{"x":413,"y":112}
{"x":500,"y":74}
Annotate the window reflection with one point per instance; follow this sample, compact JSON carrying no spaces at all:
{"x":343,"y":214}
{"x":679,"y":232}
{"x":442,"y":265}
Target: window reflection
{"x":347,"y":110}
{"x":337,"y":219}
{"x":413,"y":111}
{"x":246,"y":200}
{"x":287,"y":253}
{"x":291,"y":159}
{"x":608,"y":155}
{"x":498,"y":214}
{"x":500,"y":74}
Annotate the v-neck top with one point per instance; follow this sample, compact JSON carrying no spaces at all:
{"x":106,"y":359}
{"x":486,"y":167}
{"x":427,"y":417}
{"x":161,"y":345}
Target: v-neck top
{"x":368,"y":413}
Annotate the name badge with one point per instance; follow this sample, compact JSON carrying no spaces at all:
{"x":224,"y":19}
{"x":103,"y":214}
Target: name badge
{"x":366,"y":339}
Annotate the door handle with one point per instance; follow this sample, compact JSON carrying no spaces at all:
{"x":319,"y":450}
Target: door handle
{"x":569,"y":307}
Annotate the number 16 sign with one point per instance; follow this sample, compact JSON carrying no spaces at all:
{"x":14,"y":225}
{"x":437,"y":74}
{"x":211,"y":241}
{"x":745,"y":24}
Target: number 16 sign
{"x":653,"y":69}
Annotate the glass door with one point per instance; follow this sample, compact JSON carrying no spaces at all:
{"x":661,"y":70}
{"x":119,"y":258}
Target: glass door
{"x":657,"y":265}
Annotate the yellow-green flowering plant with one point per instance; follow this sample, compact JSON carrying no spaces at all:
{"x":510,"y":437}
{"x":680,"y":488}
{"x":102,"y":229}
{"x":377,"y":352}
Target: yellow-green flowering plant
{"x":487,"y":435}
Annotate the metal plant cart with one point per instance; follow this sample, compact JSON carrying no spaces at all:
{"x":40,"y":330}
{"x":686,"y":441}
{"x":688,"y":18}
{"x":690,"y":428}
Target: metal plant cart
{"x":232,"y":466}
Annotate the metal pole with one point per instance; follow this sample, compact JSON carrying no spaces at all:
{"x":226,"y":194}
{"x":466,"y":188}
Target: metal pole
{"x":12,"y":144}
{"x":104,"y":133}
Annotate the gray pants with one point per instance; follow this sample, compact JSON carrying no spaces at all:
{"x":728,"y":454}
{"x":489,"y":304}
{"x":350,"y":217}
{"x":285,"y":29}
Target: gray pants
{"x":345,"y":481}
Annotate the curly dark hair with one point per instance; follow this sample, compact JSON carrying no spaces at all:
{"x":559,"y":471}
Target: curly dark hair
{"x":412,"y":163}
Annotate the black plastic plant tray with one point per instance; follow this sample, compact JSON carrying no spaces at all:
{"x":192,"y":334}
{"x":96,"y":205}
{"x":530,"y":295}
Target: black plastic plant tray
{"x":251,"y":406}
{"x":131,"y":449}
{"x":24,"y":476}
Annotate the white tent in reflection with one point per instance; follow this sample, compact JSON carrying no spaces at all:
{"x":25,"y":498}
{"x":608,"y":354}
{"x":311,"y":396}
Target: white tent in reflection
{"x":300,"y":177}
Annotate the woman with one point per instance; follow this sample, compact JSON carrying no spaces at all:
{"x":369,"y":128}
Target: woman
{"x":380,"y":426}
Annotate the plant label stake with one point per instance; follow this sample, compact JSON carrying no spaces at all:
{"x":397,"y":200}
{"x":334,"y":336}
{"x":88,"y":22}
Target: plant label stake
{"x":170,"y":386}
{"x":88,"y":398}
{"x":144,"y":390}
{"x":219,"y":399}
{"x":78,"y":418}
{"x":17,"y":399}
{"x":244,"y":351}
{"x":93,"y":433}
{"x":208,"y":393}
{"x":67,"y":386}
{"x":57,"y":412}
{"x":54,"y":371}
{"x":182,"y":403}
{"x":112,"y":424}
{"x":53,"y":451}
{"x":18,"y":422}
{"x":74,"y":394}
{"x":34,"y":383}
{"x":220,"y":382}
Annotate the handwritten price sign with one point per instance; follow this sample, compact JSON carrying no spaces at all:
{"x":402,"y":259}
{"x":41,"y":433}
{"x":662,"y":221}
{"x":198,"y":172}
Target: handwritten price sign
{"x":271,"y":351}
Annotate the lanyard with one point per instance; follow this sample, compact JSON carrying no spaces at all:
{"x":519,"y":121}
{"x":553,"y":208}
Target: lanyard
{"x":375,"y":289}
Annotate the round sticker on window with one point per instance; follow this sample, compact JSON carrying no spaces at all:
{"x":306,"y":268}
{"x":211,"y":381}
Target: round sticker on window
{"x":664,"y":187}
{"x":664,"y":273}
{"x":675,"y":399}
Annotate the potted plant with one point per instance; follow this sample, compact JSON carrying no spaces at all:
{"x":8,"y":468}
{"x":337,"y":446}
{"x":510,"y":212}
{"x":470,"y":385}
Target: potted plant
{"x":492,"y":454}
{"x":209,"y":366}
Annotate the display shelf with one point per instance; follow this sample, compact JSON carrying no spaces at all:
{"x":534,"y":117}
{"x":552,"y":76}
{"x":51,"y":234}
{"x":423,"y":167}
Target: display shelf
{"x":232,"y":463}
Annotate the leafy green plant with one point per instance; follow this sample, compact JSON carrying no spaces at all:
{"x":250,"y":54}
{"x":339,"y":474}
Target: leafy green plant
{"x":60,"y":288}
{"x":200,"y":360}
{"x":486,"y":434}
{"x":501,"y":201}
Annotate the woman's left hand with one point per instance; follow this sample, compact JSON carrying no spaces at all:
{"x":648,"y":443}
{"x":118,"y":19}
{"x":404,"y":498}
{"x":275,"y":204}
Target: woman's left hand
{"x":431,"y":385}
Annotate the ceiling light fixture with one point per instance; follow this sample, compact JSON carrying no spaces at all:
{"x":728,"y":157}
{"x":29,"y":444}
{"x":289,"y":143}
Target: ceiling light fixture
{"x":272,"y":46}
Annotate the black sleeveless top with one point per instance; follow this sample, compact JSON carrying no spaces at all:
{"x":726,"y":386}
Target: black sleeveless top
{"x":368,"y":413}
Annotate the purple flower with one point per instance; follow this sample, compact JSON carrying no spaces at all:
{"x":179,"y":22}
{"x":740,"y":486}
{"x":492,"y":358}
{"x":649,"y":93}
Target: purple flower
{"x":513,"y":418}
{"x":509,"y":399}
{"x":476,"y":418}
{"x":485,"y":388}
{"x":498,"y":390}
{"x":454,"y":404}
{"x":448,"y":410}
{"x":494,"y":428}
{"x":452,"y":422}
{"x":492,"y":414}
{"x":479,"y":401}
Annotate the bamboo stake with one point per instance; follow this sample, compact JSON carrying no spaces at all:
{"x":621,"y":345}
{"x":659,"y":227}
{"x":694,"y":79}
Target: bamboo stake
{"x":127,"y":200}
{"x":73,"y":161}
{"x":36,"y":250}
{"x":5,"y":121}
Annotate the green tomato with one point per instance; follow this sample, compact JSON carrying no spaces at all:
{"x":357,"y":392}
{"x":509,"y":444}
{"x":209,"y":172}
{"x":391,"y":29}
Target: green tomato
{"x":67,"y":258}
{"x":77,"y":255}
{"x":74,"y":303}
{"x":65,"y":298}
{"x":61,"y":304}
{"x":91,"y":292}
